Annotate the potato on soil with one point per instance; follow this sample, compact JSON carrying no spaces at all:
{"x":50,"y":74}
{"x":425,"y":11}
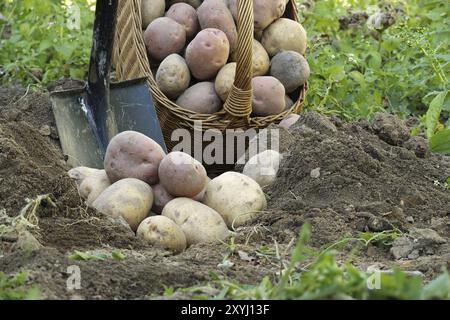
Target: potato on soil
{"x":284,"y":35}
{"x":161,"y":197}
{"x":236,"y":197}
{"x":129,"y":198}
{"x":224,"y":80}
{"x":215,"y":14}
{"x":207,"y":53}
{"x":131,"y":154}
{"x":181,"y":175}
{"x":163,"y":37}
{"x":263,"y":167}
{"x":173,"y":76}
{"x":264,"y":12}
{"x":78,"y":174}
{"x":185,"y":15}
{"x":151,"y":10}
{"x":289,"y":121}
{"x":268,"y":96}
{"x":291,"y":68}
{"x":200,"y":98}
{"x":162,"y":232}
{"x":94,"y":184}
{"x":199,"y":223}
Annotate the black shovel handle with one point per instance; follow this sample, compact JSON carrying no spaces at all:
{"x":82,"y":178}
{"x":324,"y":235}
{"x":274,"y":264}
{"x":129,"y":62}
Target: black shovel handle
{"x":100,"y":64}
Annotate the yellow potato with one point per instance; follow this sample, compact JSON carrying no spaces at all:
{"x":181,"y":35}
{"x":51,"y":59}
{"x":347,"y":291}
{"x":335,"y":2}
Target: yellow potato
{"x":162,"y":232}
{"x":263,"y":167}
{"x":150,"y":10}
{"x":283,"y":35}
{"x":94,"y":184}
{"x":78,"y":174}
{"x":173,"y":76}
{"x":199,"y":223}
{"x":224,"y":80}
{"x":129,"y":198}
{"x":238,"y":198}
{"x":260,"y":59}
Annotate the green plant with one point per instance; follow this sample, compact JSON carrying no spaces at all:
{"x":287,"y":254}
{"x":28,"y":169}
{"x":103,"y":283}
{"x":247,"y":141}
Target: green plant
{"x":15,"y":287}
{"x":324,"y":278}
{"x":86,"y":256}
{"x":44,"y":41}
{"x":357,"y":71}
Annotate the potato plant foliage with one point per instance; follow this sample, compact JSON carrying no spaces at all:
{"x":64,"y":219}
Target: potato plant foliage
{"x":42,"y":41}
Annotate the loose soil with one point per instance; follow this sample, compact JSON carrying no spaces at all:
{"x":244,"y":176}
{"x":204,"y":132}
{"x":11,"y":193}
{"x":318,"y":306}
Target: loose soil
{"x":343,"y":178}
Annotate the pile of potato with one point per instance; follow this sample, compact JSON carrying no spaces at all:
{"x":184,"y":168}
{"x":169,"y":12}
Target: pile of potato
{"x":192,"y":48}
{"x":167,"y":199}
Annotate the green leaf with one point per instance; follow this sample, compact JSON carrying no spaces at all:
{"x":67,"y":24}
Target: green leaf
{"x":439,"y":288}
{"x":79,"y":255}
{"x":440,"y":142}
{"x":117,"y":255}
{"x":359,"y":78}
{"x":434,"y":112}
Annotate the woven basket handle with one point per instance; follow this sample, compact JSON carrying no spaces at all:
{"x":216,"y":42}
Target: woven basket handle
{"x":239,"y":101}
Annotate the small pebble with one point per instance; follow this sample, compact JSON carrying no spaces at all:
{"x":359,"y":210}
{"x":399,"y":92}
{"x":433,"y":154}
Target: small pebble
{"x":315,"y":173}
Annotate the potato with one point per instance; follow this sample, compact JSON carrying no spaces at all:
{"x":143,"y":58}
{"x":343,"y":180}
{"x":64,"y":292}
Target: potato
{"x":289,"y":103}
{"x":162,"y":232}
{"x":199,"y":197}
{"x":93,"y":186}
{"x":193,"y":3}
{"x":131,"y":154}
{"x":199,"y":223}
{"x":260,"y":59}
{"x":263,"y":167}
{"x":163,"y":37}
{"x":215,"y":14}
{"x":185,"y":15}
{"x":264,"y":12}
{"x":150,"y":10}
{"x":268,"y":96}
{"x":289,"y":121}
{"x":236,"y":197}
{"x":283,"y":35}
{"x":160,"y":198}
{"x":173,"y":76}
{"x":224,"y":80}
{"x":291,"y":68}
{"x":78,"y":174}
{"x":207,"y":53}
{"x":181,"y":175}
{"x":129,"y":198}
{"x":200,"y":98}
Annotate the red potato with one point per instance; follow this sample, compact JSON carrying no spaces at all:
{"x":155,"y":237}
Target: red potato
{"x":200,"y":98}
{"x":215,"y":14}
{"x":185,"y":15}
{"x":131,"y":154}
{"x":181,"y":175}
{"x":289,"y":121}
{"x":207,"y":53}
{"x":163,"y":37}
{"x":268,"y":96}
{"x":264,"y":11}
{"x":161,"y":198}
{"x":193,"y":3}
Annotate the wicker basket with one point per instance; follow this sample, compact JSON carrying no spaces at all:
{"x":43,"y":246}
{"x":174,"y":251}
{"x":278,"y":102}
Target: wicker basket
{"x":131,"y":61}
